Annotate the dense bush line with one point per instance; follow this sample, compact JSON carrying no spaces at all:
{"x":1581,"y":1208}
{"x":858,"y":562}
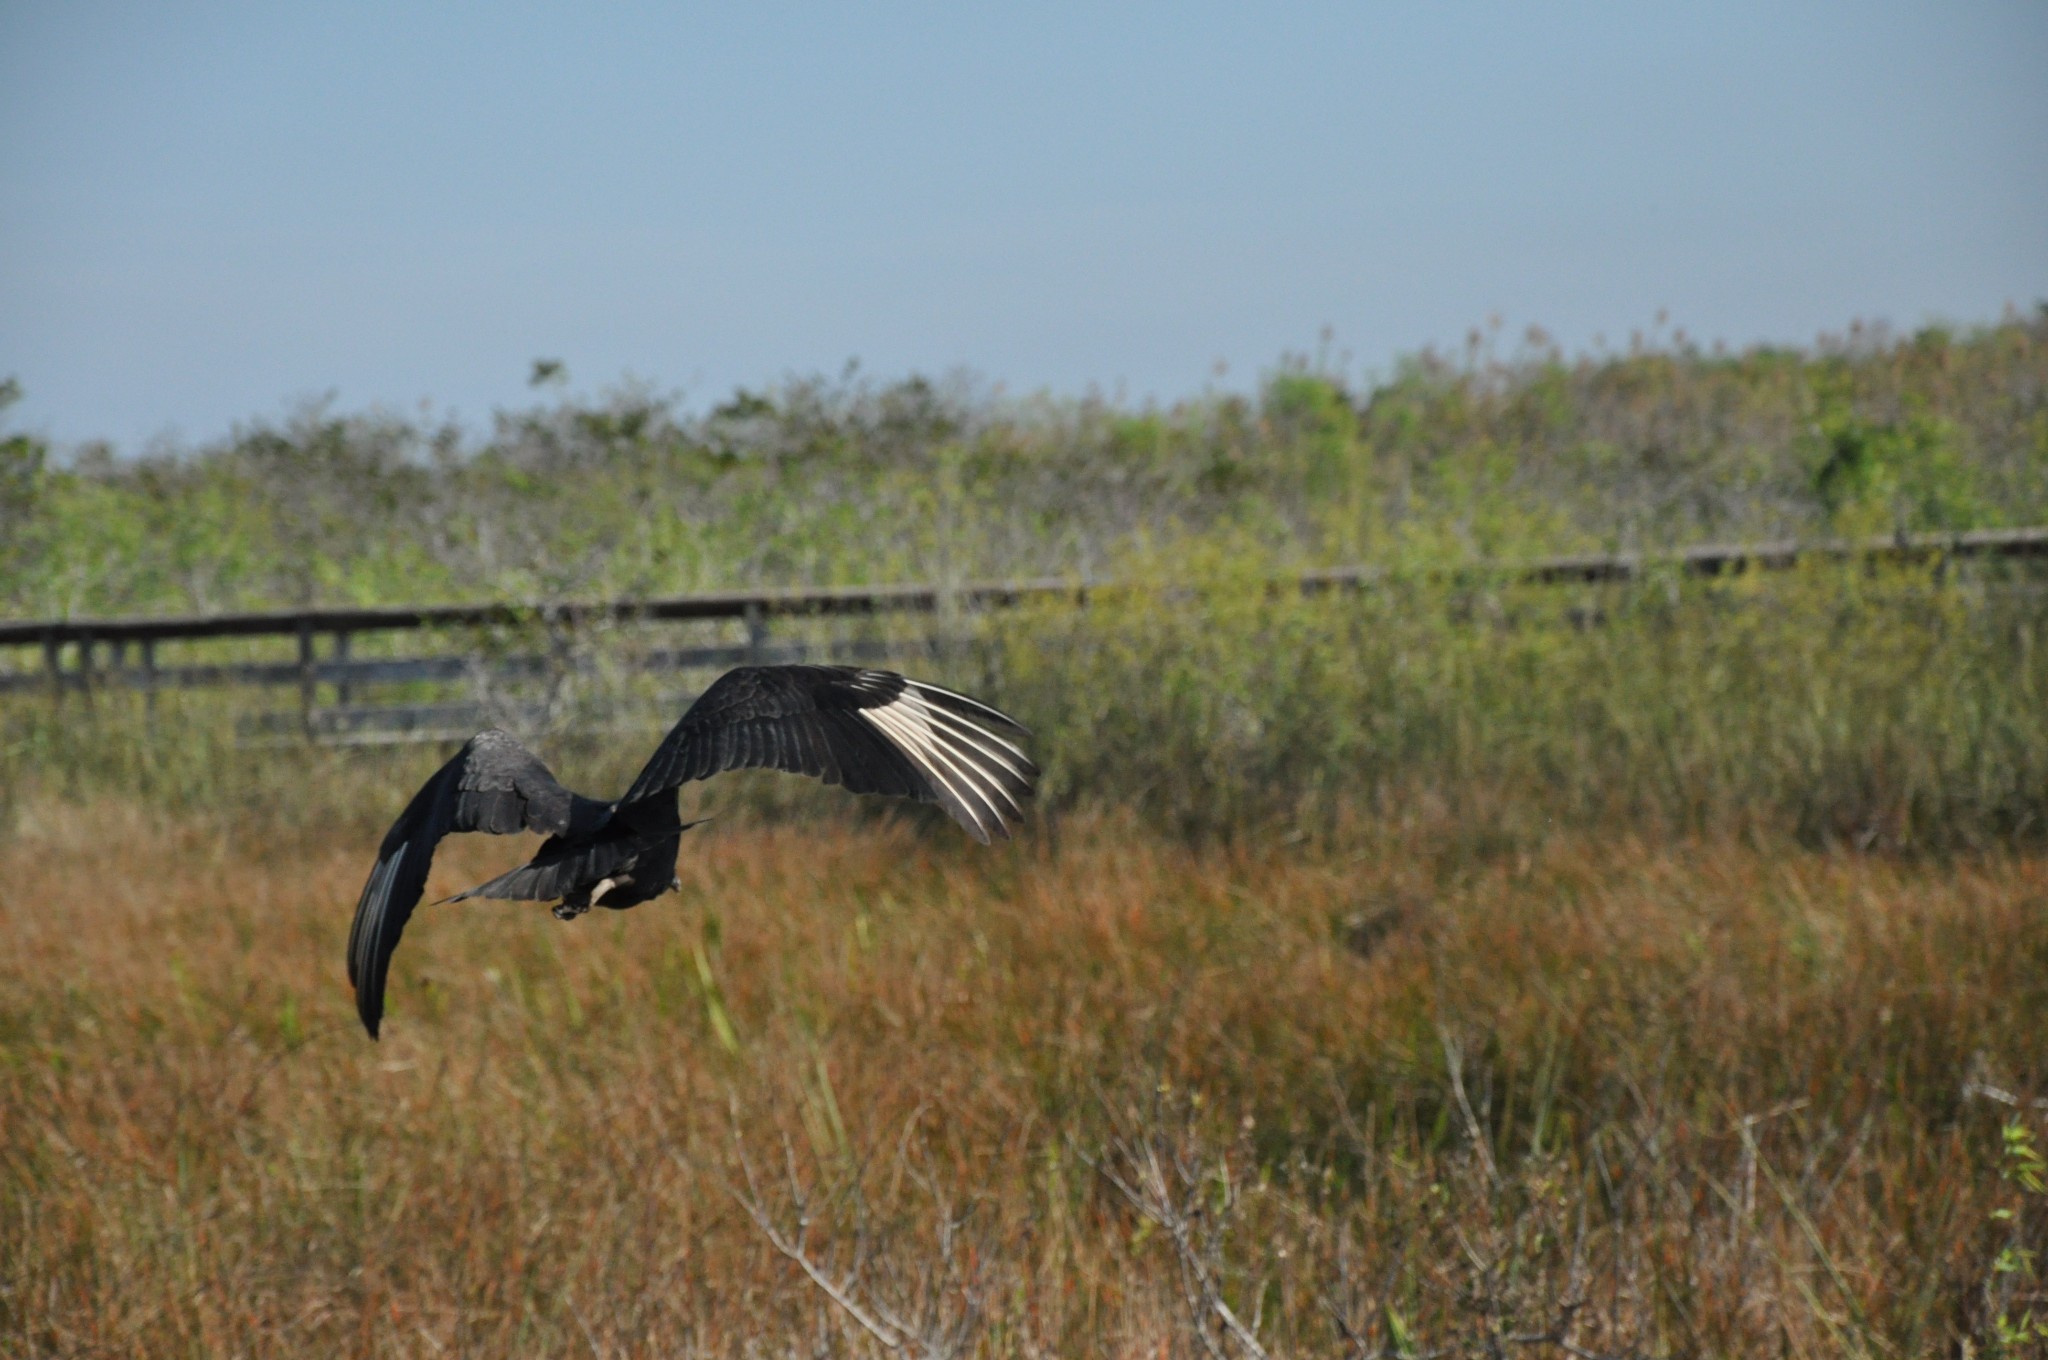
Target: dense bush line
{"x":847,"y":481}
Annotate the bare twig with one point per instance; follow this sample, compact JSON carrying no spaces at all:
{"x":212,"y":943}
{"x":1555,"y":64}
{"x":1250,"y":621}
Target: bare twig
{"x":1379,"y":1352}
{"x":793,"y":1248}
{"x":1560,"y":1334}
{"x":1454,"y":1063}
{"x":1979,"y":1083}
{"x":583,"y":1323}
{"x":1148,"y":1190}
{"x":926,"y":1332}
{"x":2002,"y":1096}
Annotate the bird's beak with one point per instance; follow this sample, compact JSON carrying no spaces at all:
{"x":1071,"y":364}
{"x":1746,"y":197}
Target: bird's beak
{"x":675,"y":884}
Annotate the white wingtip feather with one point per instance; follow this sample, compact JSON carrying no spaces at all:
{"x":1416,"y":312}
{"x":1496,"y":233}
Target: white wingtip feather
{"x":957,"y":757}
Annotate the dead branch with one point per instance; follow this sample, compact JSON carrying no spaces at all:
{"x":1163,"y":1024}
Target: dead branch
{"x":925,"y":1329}
{"x":1164,"y":1200}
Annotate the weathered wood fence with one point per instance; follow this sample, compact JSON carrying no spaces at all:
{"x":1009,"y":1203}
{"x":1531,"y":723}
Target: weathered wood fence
{"x":81,"y":656}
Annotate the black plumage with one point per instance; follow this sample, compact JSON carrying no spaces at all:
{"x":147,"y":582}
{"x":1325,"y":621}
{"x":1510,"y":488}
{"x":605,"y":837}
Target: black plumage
{"x":866,"y":730}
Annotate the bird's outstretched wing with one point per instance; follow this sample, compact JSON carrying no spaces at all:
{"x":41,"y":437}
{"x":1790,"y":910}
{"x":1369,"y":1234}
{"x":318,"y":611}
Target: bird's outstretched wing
{"x":870,"y":731}
{"x":492,"y":784}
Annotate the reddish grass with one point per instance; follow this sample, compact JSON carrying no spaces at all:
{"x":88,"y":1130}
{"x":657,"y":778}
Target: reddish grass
{"x":1718,"y":1090}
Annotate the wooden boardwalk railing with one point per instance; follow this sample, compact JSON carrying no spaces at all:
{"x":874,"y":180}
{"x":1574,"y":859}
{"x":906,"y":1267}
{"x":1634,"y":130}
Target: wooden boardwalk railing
{"x":89,"y":654}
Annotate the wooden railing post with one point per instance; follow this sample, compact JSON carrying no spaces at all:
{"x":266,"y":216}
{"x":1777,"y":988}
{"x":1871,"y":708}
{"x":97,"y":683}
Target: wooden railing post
{"x":757,"y":633}
{"x":344,"y":693}
{"x":85,"y":648}
{"x":53,"y":662}
{"x":307,"y":675}
{"x":149,"y":684}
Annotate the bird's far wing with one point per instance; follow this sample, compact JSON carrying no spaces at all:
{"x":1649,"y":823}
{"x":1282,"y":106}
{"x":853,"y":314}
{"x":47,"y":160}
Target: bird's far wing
{"x":870,"y":731}
{"x":492,"y":784}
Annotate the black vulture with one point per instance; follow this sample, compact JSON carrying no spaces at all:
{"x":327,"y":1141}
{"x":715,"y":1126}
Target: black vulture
{"x":869,"y":731}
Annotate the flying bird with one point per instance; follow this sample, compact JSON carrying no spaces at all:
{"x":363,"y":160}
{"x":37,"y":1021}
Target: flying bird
{"x":868,"y":731}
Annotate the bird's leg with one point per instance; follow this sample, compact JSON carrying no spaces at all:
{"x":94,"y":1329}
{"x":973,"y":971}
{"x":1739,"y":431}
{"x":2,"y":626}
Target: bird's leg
{"x":575,"y":904}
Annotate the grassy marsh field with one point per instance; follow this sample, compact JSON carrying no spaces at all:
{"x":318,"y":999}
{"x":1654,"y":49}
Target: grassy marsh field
{"x":1689,"y":1096}
{"x":1452,"y":967}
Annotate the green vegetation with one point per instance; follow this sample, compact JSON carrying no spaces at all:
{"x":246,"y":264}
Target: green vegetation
{"x":1899,"y":706}
{"x":843,"y":482}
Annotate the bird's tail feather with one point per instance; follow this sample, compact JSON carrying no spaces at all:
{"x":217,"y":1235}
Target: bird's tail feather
{"x":558,"y":870}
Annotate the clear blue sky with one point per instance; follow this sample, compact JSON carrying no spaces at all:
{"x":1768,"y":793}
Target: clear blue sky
{"x":209,"y":212}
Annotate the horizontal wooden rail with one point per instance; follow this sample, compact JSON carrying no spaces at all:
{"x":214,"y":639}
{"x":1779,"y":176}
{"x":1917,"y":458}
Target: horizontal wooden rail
{"x":730,"y":605}
{"x":406,"y":670}
{"x":1709,"y":560}
{"x":1720,"y":559}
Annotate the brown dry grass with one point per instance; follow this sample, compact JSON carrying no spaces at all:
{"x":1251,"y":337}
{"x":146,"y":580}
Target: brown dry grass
{"x":1718,"y":1089}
